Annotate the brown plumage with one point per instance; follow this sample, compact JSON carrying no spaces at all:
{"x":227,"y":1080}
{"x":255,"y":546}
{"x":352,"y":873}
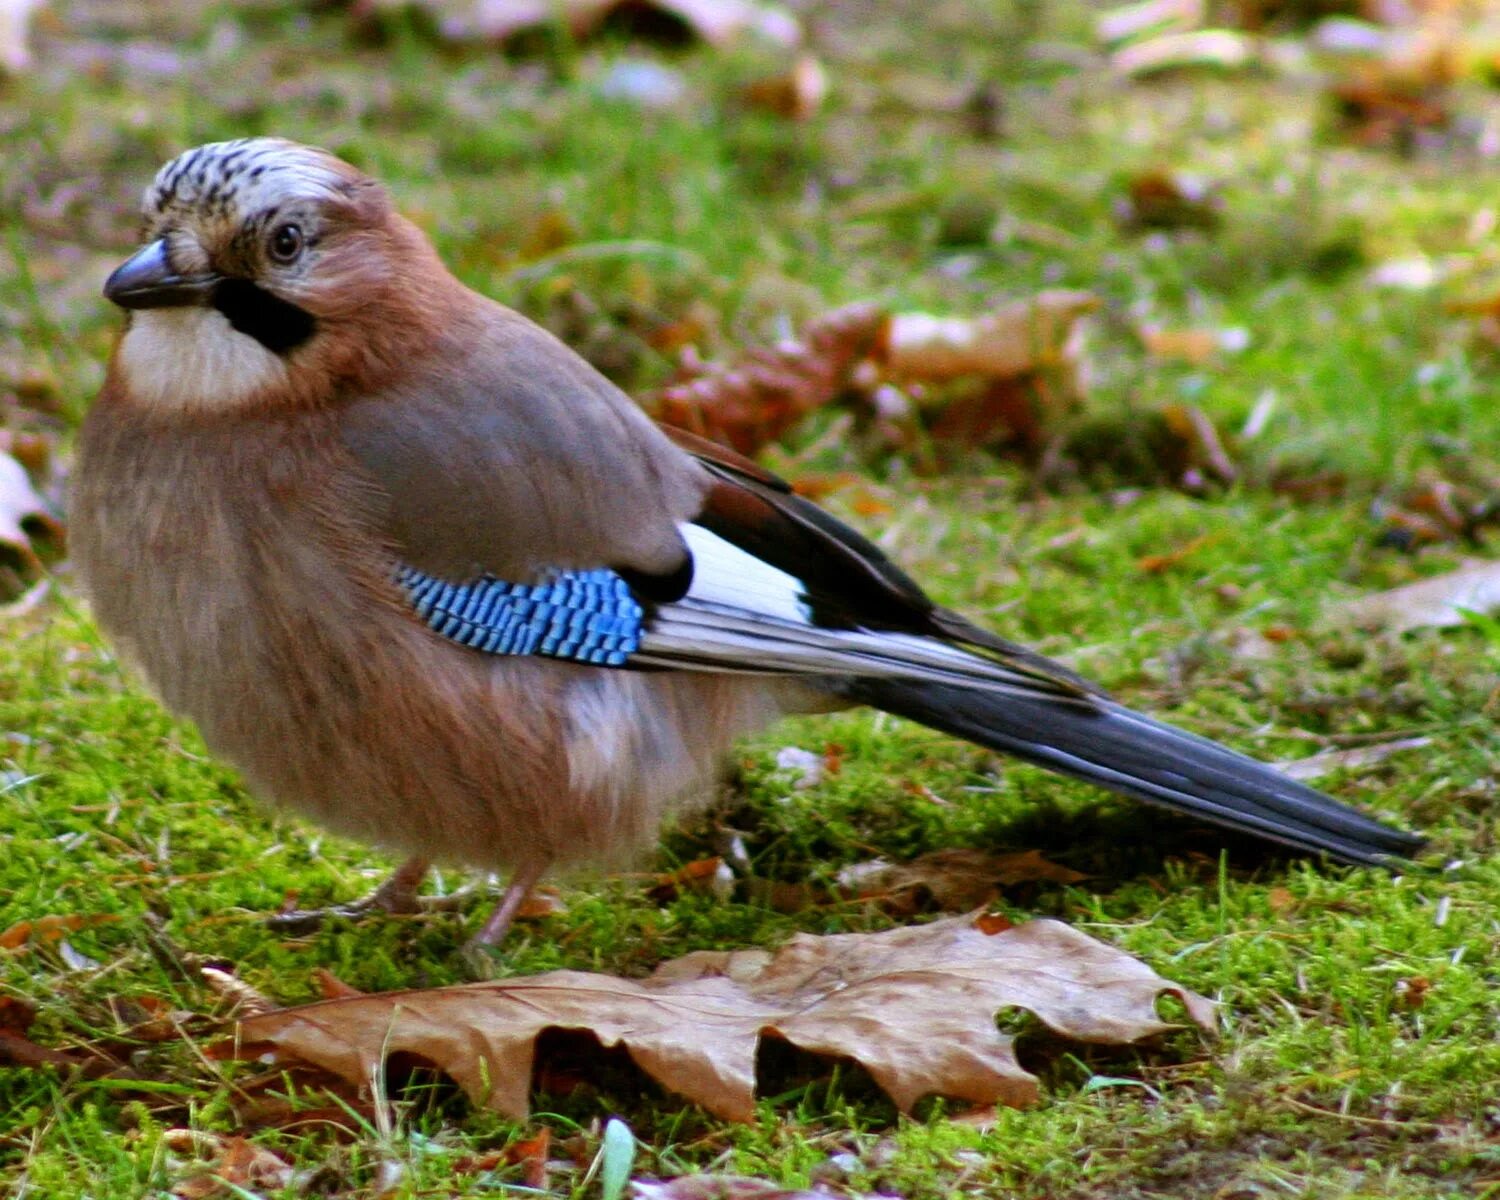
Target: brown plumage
{"x":305,"y":402}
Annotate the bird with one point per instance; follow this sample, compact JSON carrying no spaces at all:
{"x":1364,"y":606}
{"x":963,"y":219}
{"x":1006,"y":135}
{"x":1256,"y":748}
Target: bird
{"x":425,"y":576}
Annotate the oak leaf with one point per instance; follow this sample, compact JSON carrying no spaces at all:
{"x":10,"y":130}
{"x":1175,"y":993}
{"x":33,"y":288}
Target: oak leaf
{"x":915,"y":1006}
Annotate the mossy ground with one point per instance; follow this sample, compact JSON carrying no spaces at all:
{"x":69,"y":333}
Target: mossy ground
{"x":1360,"y":1057}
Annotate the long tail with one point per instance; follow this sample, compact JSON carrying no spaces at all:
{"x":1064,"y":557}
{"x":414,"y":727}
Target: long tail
{"x":1115,"y":748}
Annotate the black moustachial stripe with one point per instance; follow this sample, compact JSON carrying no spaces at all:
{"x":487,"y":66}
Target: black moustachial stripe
{"x":277,"y":324}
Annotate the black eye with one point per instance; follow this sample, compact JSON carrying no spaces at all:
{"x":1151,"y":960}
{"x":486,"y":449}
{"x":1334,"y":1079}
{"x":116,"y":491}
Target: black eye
{"x":286,"y":243}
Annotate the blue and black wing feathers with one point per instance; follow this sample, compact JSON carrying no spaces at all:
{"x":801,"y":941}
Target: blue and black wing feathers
{"x":771,"y":584}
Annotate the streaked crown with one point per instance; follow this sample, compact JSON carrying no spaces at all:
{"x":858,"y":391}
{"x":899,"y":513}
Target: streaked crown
{"x":245,"y":176}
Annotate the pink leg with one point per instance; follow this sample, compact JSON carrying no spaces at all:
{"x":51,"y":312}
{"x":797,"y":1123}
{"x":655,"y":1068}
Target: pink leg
{"x":521,"y":883}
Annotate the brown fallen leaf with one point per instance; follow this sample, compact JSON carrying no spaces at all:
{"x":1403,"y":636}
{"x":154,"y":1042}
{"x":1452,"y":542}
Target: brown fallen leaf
{"x":1194,"y":346}
{"x":242,"y":997}
{"x":1016,"y":338}
{"x":1201,"y":449}
{"x":48,"y":930}
{"x":1436,"y":602}
{"x":705,"y":876}
{"x":915,"y":1006}
{"x":16,"y":1015}
{"x":751,"y":404}
{"x":238,"y":1166}
{"x":1155,"y":564}
{"x":1412,"y":993}
{"x":1014,"y":368}
{"x":332,"y":987}
{"x":530,"y":1154}
{"x":1437,"y":510}
{"x":796,"y":94}
{"x":1168,"y":200}
{"x":957,"y":880}
{"x":1376,"y":113}
{"x":1016,"y":410}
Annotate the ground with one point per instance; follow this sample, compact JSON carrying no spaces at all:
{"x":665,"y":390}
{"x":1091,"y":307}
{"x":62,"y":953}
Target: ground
{"x":1359,"y":1053}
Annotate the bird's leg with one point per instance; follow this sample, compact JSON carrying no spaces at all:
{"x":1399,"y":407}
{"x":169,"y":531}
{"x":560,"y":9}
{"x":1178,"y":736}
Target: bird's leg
{"x":398,"y":894}
{"x":521,"y":883}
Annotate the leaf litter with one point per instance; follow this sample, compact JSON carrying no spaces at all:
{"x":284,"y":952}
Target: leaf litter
{"x":1021,"y":359}
{"x":915,"y":1006}
{"x":1441,"y":601}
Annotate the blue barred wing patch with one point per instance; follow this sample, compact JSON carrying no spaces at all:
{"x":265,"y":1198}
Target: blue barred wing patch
{"x":585,"y":616}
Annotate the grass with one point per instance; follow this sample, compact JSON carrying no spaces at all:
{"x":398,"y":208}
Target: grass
{"x":1361,"y":1047}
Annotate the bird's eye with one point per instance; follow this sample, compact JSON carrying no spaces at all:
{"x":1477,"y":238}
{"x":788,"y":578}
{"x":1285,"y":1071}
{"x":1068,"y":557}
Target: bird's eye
{"x":286,"y":243}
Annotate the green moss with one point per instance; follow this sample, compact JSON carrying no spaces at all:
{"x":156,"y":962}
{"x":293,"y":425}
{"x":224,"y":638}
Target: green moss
{"x":1359,"y":1049}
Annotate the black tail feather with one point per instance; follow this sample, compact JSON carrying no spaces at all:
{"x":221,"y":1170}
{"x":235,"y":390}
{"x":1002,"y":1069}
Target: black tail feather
{"x":1126,"y":752}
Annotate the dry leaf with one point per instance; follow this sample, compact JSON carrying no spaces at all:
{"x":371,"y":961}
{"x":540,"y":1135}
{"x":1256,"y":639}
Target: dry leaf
{"x":915,"y":1006}
{"x":1015,"y":339}
{"x":797,"y":94}
{"x":752,"y":404}
{"x":1315,"y":766}
{"x":1437,"y":602}
{"x":1199,"y":441}
{"x":956,"y":880}
{"x":331,"y":987}
{"x":1374,"y":114}
{"x":530,"y":1154}
{"x":1440,"y":510}
{"x":20,"y":504}
{"x":1195,"y":346}
{"x":42,"y":931}
{"x":1155,"y":564}
{"x":1024,"y":358}
{"x":1168,"y":200}
{"x":705,"y":876}
{"x":242,"y":997}
{"x":240,"y":1165}
{"x":1015,"y":410}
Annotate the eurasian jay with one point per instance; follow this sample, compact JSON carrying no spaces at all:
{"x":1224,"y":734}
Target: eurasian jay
{"x":424,"y":575}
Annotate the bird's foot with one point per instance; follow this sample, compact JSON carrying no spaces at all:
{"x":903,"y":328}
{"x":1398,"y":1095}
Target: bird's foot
{"x":398,"y":894}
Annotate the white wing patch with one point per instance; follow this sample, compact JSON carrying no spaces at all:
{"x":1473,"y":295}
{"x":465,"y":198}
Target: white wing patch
{"x":723,"y":574}
{"x":742,"y":614}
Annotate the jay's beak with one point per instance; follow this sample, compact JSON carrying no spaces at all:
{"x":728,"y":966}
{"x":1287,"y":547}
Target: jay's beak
{"x":146,"y":280}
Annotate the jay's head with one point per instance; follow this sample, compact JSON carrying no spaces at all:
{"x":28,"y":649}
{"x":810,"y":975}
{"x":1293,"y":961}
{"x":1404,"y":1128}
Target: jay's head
{"x":270,"y":269}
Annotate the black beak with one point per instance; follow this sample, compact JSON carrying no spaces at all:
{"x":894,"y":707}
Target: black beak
{"x":146,"y":280}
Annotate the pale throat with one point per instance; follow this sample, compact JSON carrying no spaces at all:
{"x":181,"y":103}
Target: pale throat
{"x":186,"y":359}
